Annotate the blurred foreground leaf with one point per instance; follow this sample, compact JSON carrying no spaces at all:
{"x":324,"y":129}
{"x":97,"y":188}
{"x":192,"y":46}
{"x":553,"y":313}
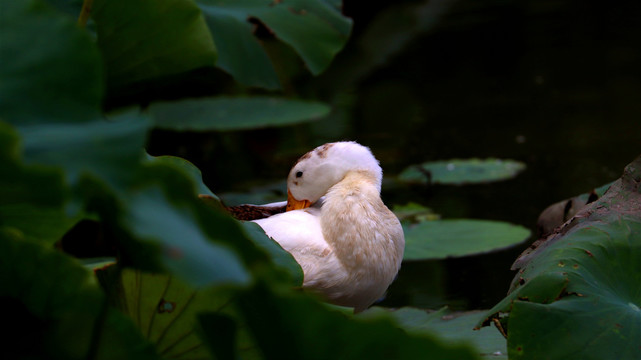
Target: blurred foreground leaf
{"x":459,"y":172}
{"x":293,"y":326}
{"x":31,"y":197}
{"x":451,"y":327}
{"x":228,"y":114}
{"x":148,"y":39}
{"x":44,"y":59}
{"x":54,"y":299}
{"x":581,"y":287}
{"x":454,"y":238}
{"x":315,"y":29}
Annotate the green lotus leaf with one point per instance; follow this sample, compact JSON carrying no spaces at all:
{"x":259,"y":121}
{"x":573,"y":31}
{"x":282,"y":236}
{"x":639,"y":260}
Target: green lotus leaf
{"x":228,"y":114}
{"x":110,"y":150}
{"x":147,"y":39}
{"x":581,"y":286}
{"x":32,"y":197}
{"x":50,"y":69}
{"x":164,"y":308}
{"x":274,"y":320}
{"x":459,"y":172}
{"x":187,"y":250}
{"x":455,"y":238}
{"x":315,"y":29}
{"x":187,"y":168}
{"x":54,"y":299}
{"x":449,"y":326}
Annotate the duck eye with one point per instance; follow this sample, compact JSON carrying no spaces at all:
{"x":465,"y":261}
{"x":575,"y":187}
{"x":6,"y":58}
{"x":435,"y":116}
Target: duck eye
{"x":299,"y":174}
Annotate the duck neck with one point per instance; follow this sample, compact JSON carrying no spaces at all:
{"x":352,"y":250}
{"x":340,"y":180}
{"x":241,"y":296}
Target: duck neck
{"x":350,"y":217}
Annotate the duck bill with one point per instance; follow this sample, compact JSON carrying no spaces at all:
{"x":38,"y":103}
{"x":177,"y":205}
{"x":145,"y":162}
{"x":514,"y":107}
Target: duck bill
{"x":293,"y":204}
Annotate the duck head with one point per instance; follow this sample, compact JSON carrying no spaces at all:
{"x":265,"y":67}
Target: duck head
{"x":320,"y":169}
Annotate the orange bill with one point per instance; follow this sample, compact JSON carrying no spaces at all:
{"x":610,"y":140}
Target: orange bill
{"x":293,"y":204}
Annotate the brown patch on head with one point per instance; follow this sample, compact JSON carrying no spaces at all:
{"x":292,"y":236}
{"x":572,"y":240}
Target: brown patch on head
{"x":306,"y":156}
{"x":322,"y":151}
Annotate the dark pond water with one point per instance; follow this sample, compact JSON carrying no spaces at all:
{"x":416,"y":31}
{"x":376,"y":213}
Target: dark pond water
{"x":555,"y":84}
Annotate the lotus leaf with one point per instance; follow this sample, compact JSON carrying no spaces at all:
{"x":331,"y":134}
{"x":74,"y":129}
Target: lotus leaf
{"x":148,"y":39}
{"x":440,"y":239}
{"x":53,"y":299}
{"x":228,"y":114}
{"x":459,"y":172}
{"x":315,"y":29}
{"x":451,"y":327}
{"x":581,"y":286}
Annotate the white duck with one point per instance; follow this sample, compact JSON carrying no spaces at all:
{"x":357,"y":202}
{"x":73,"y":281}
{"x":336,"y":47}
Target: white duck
{"x":349,"y":244}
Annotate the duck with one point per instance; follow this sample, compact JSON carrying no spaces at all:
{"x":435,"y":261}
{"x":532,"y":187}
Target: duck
{"x":348,"y":243}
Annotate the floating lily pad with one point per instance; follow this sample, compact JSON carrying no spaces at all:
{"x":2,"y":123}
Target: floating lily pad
{"x":228,"y":114}
{"x":455,"y":238}
{"x":581,"y":287}
{"x":459,"y":172}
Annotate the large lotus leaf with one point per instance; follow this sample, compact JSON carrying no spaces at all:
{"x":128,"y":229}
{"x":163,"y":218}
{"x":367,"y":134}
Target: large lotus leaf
{"x":31,"y":197}
{"x":187,"y":248}
{"x":290,"y":325}
{"x":226,"y":114}
{"x":164,"y":308}
{"x":111,"y":150}
{"x":278,"y":256}
{"x":581,"y":287}
{"x":315,"y":29}
{"x":55,"y":301}
{"x":188,"y":169}
{"x":148,"y":39}
{"x":440,"y":239}
{"x":458,"y":172}
{"x":451,"y":327}
{"x":50,"y":69}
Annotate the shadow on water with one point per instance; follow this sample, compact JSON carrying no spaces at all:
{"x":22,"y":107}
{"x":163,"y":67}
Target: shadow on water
{"x":554,"y":84}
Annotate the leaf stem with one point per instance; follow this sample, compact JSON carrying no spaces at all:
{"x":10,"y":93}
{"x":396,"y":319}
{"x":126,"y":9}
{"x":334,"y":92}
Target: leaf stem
{"x":85,"y":12}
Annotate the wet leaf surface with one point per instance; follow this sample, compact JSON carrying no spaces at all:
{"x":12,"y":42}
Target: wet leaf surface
{"x":459,"y":172}
{"x":440,"y":239}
